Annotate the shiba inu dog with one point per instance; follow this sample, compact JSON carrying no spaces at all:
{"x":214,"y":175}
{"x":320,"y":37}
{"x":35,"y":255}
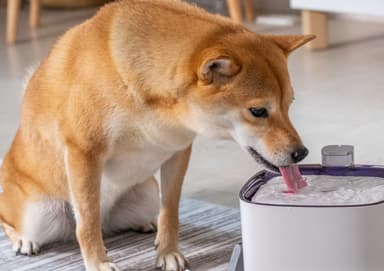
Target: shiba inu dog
{"x":123,"y":95}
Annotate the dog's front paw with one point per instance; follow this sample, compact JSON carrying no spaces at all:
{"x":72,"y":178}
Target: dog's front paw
{"x":171,"y":261}
{"x":105,"y":267}
{"x":26,"y":247}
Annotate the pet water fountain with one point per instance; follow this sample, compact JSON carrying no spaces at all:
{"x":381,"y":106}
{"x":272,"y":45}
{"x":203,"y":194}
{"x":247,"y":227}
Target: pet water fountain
{"x":336,"y":223}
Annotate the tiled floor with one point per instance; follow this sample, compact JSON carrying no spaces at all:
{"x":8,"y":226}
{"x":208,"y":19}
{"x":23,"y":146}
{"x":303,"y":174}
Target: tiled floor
{"x":339,"y":99}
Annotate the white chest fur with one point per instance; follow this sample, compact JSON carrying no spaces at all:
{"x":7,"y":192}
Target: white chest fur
{"x":138,"y":148}
{"x":132,"y":166}
{"x":128,"y":166}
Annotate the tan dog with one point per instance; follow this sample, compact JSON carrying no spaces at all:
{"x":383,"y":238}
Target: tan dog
{"x":123,"y":95}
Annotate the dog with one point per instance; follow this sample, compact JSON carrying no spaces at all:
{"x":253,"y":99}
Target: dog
{"x":123,"y":95}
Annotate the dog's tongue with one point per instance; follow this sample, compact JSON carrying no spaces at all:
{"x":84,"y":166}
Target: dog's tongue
{"x":292,"y":178}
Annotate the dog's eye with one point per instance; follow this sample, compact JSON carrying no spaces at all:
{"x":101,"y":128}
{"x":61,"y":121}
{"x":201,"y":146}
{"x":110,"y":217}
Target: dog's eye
{"x":259,"y":112}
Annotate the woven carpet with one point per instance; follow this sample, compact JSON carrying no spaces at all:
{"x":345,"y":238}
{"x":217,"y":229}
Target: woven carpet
{"x":208,"y":233}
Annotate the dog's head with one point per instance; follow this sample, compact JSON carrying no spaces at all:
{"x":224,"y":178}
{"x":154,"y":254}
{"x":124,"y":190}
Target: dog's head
{"x":243,"y":92}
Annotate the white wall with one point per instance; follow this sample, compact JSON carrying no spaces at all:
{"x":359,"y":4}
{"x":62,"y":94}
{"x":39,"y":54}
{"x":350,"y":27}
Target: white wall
{"x":368,"y":7}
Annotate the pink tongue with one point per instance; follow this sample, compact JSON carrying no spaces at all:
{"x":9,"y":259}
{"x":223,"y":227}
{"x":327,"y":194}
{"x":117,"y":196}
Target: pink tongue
{"x":292,"y":178}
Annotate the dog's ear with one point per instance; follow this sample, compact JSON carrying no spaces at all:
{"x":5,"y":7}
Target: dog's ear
{"x":290,"y":42}
{"x":217,"y":69}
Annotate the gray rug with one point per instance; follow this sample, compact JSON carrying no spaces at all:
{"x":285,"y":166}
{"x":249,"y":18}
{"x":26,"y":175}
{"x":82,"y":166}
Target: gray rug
{"x":208,"y":233}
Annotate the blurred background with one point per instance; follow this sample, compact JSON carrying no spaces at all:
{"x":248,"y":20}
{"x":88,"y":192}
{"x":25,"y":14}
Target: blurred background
{"x":338,"y":79}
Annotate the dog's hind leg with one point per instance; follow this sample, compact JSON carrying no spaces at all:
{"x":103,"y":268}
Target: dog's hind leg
{"x":12,"y":206}
{"x":48,"y":220}
{"x":41,"y":222}
{"x":31,"y":220}
{"x":136,"y":210}
{"x":9,"y":229}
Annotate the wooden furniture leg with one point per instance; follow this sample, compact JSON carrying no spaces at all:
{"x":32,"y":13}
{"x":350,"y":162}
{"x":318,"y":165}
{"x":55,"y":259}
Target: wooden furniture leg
{"x":249,"y":10}
{"x":12,"y":18}
{"x":314,"y":22}
{"x":235,"y":10}
{"x":34,"y":13}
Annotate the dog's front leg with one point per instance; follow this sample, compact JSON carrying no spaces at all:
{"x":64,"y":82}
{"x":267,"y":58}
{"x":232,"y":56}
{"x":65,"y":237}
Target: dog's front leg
{"x":84,"y":177}
{"x":172,"y":175}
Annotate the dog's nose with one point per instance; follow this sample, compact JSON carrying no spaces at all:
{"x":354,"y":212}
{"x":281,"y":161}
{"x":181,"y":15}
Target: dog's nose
{"x":299,"y":154}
